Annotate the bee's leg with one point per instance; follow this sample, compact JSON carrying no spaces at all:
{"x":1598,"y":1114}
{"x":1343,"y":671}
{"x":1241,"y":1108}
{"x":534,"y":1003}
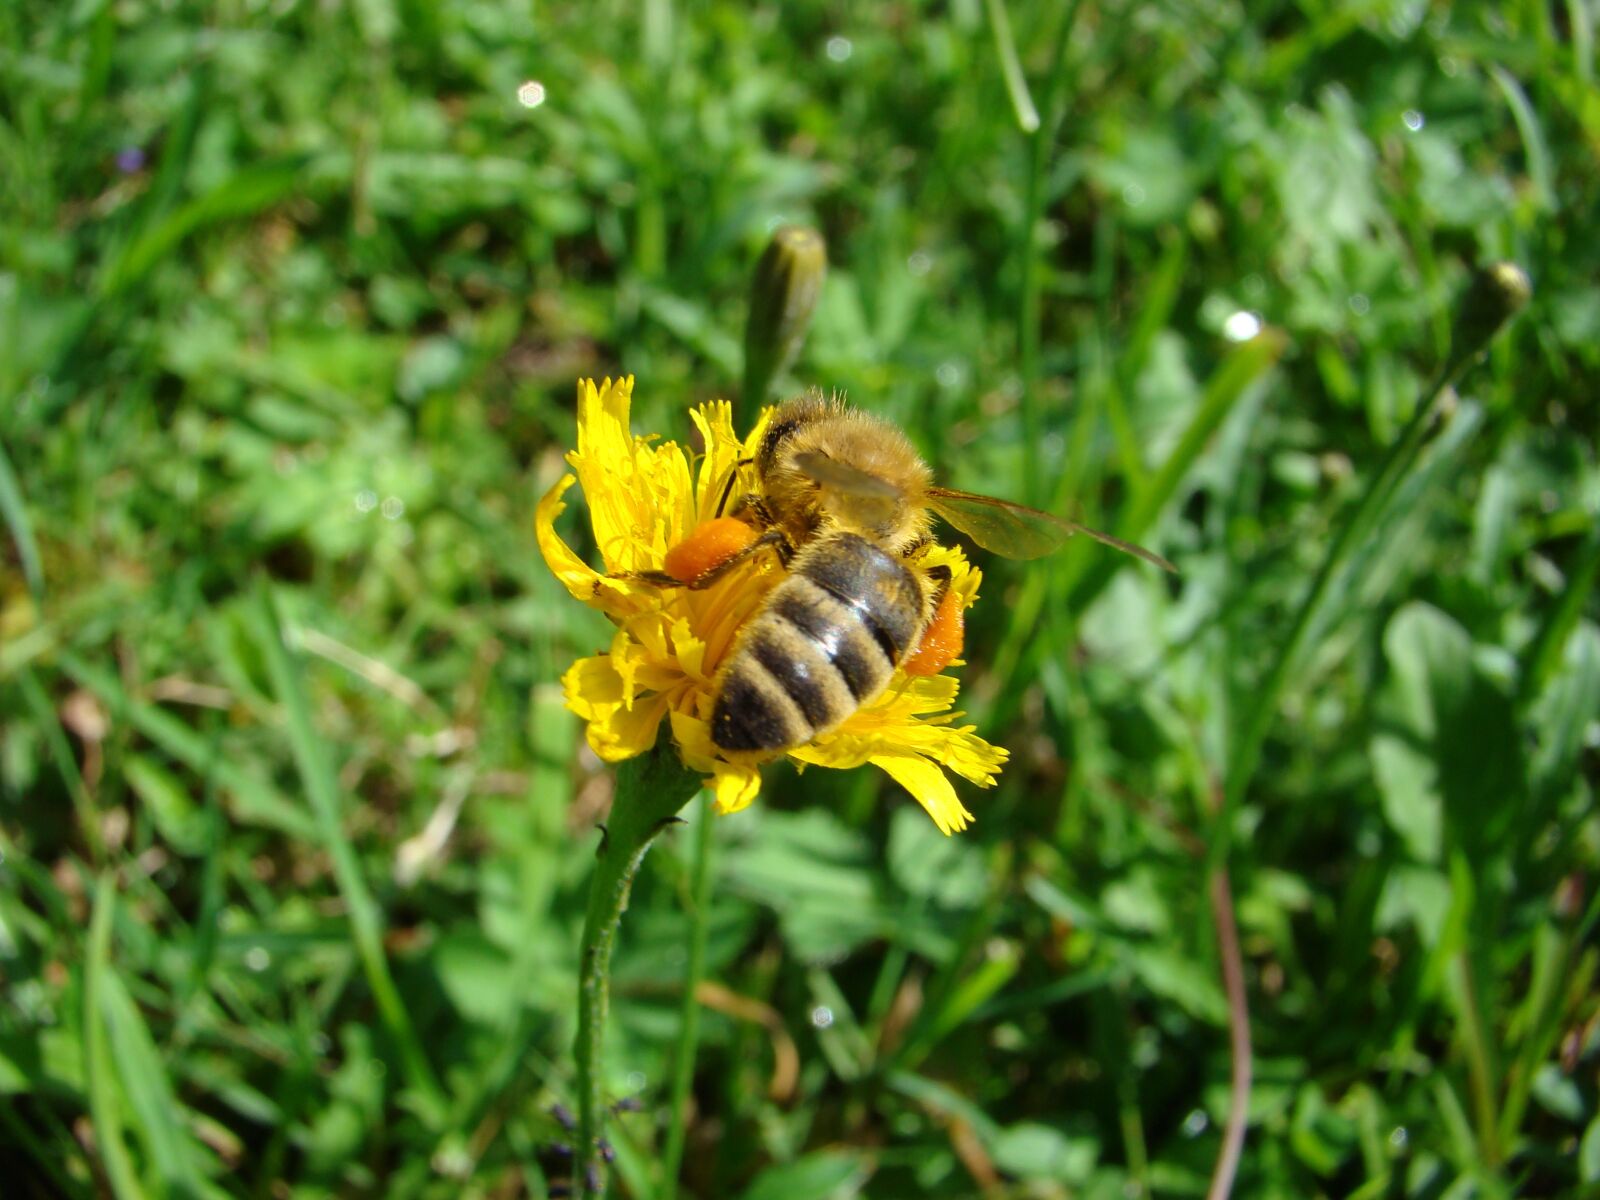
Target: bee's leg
{"x":761,"y":514}
{"x":941,"y":577}
{"x":727,"y":488}
{"x":772,"y":537}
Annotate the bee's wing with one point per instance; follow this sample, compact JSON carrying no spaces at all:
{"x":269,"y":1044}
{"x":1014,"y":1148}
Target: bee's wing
{"x":1017,"y":531}
{"x":842,"y":477}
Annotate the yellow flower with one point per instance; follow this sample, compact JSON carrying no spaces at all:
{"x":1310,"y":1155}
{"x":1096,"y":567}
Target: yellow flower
{"x":645,"y":497}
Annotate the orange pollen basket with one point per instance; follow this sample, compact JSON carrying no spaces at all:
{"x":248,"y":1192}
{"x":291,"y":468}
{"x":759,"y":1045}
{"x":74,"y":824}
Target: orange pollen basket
{"x":710,"y":545}
{"x":942,"y":640}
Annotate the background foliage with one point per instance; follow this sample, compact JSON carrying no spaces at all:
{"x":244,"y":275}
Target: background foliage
{"x":295,"y":828}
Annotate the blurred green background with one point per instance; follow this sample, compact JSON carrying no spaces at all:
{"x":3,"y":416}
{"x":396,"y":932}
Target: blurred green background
{"x":296,"y":831}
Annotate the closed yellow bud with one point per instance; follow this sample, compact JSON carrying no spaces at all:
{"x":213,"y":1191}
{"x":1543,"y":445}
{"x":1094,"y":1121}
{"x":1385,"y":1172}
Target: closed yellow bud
{"x":1497,"y":293}
{"x":783,"y":295}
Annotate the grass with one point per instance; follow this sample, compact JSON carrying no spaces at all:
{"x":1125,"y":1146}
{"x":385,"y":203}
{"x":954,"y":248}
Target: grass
{"x":296,"y":833}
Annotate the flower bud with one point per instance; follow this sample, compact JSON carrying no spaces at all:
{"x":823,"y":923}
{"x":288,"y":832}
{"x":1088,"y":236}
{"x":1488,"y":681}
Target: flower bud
{"x":1497,"y":293}
{"x":783,"y":295}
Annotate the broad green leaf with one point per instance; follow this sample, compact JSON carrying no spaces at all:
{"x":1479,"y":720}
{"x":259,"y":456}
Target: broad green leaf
{"x":1566,"y":710}
{"x":816,"y":875}
{"x":1441,"y":705}
{"x":1176,"y":978}
{"x":180,"y":822}
{"x":1589,"y":1153}
{"x":1033,"y":1151}
{"x":945,"y":871}
{"x":824,"y":1175}
{"x":1408,"y":782}
{"x":476,"y":976}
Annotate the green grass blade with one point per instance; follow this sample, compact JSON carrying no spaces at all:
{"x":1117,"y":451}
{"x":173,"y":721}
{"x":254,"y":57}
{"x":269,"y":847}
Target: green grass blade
{"x":243,"y":195}
{"x":152,"y":1104}
{"x":322,"y":791}
{"x":1580,"y":16}
{"x":1551,"y":641}
{"x":1011,"y":66}
{"x":1532,"y":133}
{"x":1030,"y":266}
{"x":254,"y":800}
{"x":61,"y":751}
{"x":16,"y":518}
{"x":1245,"y":365}
{"x":104,"y":1105}
{"x":1397,"y":476}
{"x":972,"y":992}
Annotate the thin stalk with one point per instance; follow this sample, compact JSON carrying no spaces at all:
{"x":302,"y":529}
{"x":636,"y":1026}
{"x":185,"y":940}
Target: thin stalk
{"x":1227,"y":1166}
{"x":650,"y":791}
{"x":689,"y":1014}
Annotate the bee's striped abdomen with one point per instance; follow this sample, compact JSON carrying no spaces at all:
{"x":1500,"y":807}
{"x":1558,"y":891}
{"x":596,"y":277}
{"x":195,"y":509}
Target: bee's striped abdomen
{"x":826,"y":642}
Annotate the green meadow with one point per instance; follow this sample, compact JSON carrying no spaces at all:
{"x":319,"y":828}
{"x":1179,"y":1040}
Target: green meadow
{"x":1290,"y":886}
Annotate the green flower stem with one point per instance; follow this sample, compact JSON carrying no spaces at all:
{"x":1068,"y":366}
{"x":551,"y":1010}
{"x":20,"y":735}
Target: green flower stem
{"x":689,"y":1017}
{"x":650,"y":791}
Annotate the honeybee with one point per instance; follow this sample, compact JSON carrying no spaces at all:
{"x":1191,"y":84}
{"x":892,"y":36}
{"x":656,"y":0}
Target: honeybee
{"x":847,"y":504}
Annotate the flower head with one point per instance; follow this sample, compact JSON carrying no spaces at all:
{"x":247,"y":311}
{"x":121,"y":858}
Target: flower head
{"x":645,"y":497}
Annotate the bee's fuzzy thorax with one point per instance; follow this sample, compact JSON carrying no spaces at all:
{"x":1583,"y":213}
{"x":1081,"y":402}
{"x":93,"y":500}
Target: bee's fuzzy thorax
{"x":813,"y":424}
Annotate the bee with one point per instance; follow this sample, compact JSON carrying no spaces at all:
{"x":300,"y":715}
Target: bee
{"x":847,"y":504}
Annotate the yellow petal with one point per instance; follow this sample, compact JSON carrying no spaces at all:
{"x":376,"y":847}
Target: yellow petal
{"x":836,"y":751}
{"x":929,"y":785}
{"x":752,"y":441}
{"x":694,"y":741}
{"x":590,"y":684}
{"x":715,"y":423}
{"x":689,"y":650}
{"x":734,"y":786}
{"x":615,"y":597}
{"x":578,"y":576}
{"x":616,"y":733}
{"x":626,"y":660}
{"x":641,"y":499}
{"x":909,"y":696}
{"x":968,"y":755}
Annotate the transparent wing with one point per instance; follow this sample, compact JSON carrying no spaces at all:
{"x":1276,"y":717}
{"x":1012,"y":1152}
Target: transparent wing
{"x":1017,"y":531}
{"x":841,"y":477}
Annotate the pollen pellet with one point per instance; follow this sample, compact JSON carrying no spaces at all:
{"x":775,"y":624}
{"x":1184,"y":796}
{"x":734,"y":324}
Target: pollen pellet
{"x":941,"y":640}
{"x":710,"y":545}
